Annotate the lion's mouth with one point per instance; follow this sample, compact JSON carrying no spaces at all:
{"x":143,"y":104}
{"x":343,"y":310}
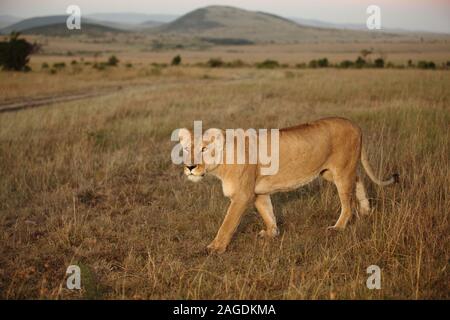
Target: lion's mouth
{"x":193,"y":178}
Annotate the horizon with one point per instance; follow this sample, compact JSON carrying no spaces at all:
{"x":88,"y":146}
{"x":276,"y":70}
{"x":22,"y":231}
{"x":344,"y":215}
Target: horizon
{"x":415,"y":15}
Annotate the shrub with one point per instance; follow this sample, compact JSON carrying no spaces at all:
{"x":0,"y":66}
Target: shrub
{"x":346,"y":64}
{"x":422,"y":65}
{"x":379,"y":63}
{"x":112,"y":61}
{"x":426,"y":65}
{"x":268,"y":64}
{"x":14,"y":53}
{"x":360,"y":63}
{"x":313,"y":64}
{"x":129,"y":65}
{"x":390,"y":65}
{"x":410,"y":64}
{"x":236,"y":64}
{"x":300,"y":65}
{"x":74,"y":62}
{"x":176,"y":60}
{"x":99,"y":66}
{"x":159,"y":65}
{"x":59,"y":65}
{"x":215,"y":63}
{"x":155,"y":71}
{"x":44,"y":65}
{"x":322,"y":63}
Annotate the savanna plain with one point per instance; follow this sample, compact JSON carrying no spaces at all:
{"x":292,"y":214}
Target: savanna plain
{"x":90,"y":181}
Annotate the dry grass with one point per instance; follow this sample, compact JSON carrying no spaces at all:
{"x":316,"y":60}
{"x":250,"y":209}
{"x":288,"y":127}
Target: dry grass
{"x":91,"y":183}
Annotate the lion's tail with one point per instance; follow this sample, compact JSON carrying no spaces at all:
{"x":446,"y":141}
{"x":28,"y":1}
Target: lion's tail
{"x":394,"y":178}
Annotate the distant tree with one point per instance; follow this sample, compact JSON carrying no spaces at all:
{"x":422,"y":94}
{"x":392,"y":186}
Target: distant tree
{"x":365,"y":53}
{"x":15,"y":53}
{"x":322,"y":63}
{"x":176,"y":61}
{"x":379,"y":63}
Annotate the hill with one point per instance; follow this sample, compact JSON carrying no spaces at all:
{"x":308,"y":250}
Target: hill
{"x":132,"y":18}
{"x":229,"y":22}
{"x":61,"y":30}
{"x":56,"y":25}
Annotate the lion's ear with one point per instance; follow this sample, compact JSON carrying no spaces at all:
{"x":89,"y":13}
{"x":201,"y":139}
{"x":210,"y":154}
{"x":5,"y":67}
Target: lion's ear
{"x":184,"y":135}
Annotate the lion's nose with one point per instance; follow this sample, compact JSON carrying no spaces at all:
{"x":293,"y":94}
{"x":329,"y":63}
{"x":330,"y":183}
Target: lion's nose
{"x":191,"y":167}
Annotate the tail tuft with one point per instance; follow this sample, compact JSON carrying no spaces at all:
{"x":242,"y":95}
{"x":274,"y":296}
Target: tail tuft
{"x":396,"y":177}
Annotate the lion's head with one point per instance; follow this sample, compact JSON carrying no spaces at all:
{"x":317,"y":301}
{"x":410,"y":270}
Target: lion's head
{"x":201,"y":154}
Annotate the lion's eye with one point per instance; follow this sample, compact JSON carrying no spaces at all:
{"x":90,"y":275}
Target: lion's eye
{"x":203,"y":149}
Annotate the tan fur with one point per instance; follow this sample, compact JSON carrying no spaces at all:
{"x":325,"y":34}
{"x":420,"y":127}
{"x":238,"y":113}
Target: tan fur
{"x":329,"y":147}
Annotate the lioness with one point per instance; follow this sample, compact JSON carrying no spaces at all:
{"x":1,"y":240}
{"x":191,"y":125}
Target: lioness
{"x":330,"y":148}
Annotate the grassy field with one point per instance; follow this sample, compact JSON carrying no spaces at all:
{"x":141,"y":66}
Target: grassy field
{"x":90,"y":182}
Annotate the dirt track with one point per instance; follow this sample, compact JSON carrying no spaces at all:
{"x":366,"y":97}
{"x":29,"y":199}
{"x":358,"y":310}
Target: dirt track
{"x":37,"y":102}
{"x":49,"y":100}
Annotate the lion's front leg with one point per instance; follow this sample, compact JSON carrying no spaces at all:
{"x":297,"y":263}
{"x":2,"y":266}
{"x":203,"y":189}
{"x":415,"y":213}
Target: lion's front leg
{"x":264,"y":206}
{"x":232,"y":218}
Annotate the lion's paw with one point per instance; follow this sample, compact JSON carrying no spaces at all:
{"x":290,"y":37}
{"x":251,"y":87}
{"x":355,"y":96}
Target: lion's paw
{"x":272,"y":233}
{"x":214,"y":248}
{"x":334,"y":229}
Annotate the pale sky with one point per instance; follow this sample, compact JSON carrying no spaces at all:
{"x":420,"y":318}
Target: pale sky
{"x":431,"y":15}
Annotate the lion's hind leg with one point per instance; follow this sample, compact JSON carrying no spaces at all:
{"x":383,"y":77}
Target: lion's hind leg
{"x":364,"y":205}
{"x":346,"y":187}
